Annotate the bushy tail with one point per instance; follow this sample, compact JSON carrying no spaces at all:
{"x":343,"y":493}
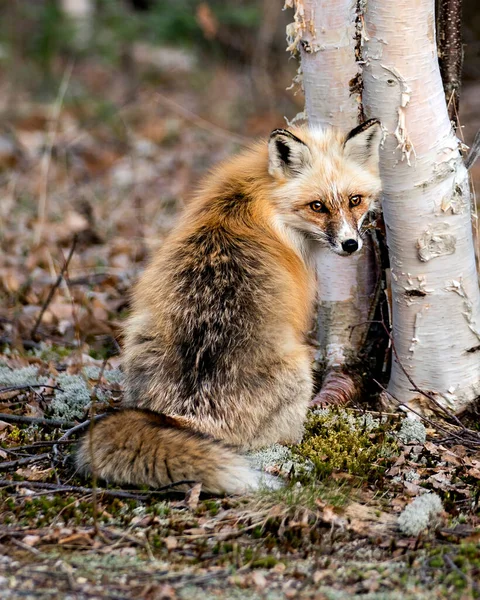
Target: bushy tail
{"x":140,"y":447}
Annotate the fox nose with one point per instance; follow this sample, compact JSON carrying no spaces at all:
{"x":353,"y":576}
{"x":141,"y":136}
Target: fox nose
{"x":350,"y":246}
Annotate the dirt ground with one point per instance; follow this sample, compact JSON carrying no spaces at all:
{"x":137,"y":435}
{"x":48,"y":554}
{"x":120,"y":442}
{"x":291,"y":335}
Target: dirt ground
{"x":90,"y":181}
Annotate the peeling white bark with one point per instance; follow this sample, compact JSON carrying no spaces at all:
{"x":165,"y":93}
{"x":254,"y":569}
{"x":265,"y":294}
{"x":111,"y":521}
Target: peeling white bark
{"x":426,"y":203}
{"x":325,"y":33}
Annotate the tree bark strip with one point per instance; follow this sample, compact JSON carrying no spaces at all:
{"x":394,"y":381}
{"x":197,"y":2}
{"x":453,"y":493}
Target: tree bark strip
{"x":450,"y":51}
{"x":427,"y":209}
{"x":327,"y":36}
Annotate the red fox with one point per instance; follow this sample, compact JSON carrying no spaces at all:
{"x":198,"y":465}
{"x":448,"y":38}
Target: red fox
{"x":216,"y":358}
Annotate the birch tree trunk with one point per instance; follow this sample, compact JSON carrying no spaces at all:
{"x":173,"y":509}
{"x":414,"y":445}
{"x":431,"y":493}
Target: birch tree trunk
{"x":325,"y":33}
{"x":427,"y":209}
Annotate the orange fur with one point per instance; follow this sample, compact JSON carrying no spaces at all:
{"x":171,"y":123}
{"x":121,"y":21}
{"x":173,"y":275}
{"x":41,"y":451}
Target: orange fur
{"x":215,"y":352}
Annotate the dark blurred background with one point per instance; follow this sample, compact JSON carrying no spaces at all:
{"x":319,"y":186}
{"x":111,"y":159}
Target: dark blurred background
{"x":111,"y":111}
{"x":229,"y":54}
{"x":129,"y":72}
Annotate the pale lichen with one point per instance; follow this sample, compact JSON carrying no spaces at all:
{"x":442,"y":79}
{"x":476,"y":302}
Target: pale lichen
{"x":110,"y":375}
{"x":276,"y":456}
{"x":20,"y":377}
{"x":73,"y":398}
{"x":412,"y":431}
{"x":420,"y":514}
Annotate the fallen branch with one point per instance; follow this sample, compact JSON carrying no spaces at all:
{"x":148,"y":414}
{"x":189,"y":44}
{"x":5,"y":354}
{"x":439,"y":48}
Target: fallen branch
{"x":54,"y":288}
{"x":19,"y":388}
{"x":85,"y":490}
{"x":27,"y":344}
{"x":17,"y":419}
{"x":12,"y":464}
{"x":474,"y":152}
{"x":14,"y":449}
{"x":79,"y":427}
{"x":474,"y":440}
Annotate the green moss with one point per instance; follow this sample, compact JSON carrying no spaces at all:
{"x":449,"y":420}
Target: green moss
{"x":298,"y":496}
{"x":437,"y":562}
{"x":51,"y":352}
{"x":455,"y":567}
{"x":248,"y":554}
{"x":159,"y":509}
{"x":264,"y":562}
{"x":212,"y":506}
{"x":341,"y":440}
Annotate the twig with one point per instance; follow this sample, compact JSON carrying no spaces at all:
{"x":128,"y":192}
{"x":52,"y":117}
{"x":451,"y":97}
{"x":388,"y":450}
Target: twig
{"x":12,"y":464}
{"x":474,"y":152}
{"x":99,"y":379}
{"x":47,"y":156}
{"x":54,"y":286}
{"x":19,"y":388}
{"x":27,"y":344}
{"x":459,"y":571}
{"x":26,"y":547}
{"x":76,"y":429}
{"x":434,"y":424}
{"x":79,"y":427}
{"x":78,"y":489}
{"x":203,"y":123}
{"x":17,"y":419}
{"x":14,"y":449}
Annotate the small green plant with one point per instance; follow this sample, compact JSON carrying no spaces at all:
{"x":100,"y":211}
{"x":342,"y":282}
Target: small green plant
{"x":456,"y":568}
{"x":342,"y":440}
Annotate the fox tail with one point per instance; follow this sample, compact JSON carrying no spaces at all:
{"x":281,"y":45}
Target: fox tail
{"x":140,"y":447}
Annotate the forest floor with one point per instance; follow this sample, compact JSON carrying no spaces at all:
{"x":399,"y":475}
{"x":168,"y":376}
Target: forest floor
{"x":90,"y":182}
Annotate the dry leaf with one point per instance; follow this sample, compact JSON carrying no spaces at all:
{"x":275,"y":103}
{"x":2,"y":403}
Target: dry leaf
{"x":31,"y":540}
{"x":35,"y":474}
{"x":432,"y":448}
{"x":193,"y":495}
{"x":207,"y":20}
{"x":474,"y":473}
{"x":77,"y":539}
{"x":259,"y":580}
{"x":171,"y":543}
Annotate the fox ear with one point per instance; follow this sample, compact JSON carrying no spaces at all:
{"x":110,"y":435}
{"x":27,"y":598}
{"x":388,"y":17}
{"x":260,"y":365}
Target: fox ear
{"x":287,"y":154}
{"x":362,"y":144}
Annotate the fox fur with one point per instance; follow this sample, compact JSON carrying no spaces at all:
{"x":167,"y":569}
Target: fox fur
{"x":216,"y":358}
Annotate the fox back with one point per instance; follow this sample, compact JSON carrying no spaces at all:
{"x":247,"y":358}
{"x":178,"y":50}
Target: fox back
{"x":217,"y":337}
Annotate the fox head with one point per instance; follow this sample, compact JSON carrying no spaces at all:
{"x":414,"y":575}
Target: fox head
{"x":326,"y":182}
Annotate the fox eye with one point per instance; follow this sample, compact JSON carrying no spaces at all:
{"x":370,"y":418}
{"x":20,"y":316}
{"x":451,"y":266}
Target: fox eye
{"x":317,"y":206}
{"x":355,"y":200}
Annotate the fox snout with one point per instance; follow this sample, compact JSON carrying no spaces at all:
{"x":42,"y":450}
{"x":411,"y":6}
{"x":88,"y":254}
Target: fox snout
{"x":325,"y":186}
{"x":350,"y":246}
{"x":344,"y":239}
